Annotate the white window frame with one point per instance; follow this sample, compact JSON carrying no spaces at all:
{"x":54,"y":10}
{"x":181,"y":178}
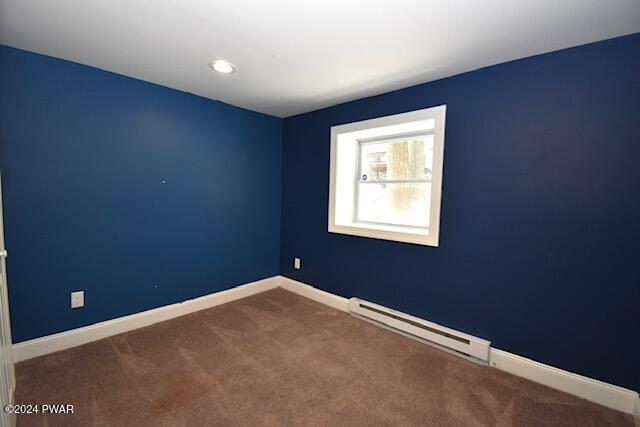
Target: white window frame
{"x":344,"y":174}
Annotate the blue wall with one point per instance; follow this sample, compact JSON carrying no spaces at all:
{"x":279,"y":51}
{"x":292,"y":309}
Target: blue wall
{"x":83,"y":154}
{"x":539,"y":213}
{"x":540,"y":210}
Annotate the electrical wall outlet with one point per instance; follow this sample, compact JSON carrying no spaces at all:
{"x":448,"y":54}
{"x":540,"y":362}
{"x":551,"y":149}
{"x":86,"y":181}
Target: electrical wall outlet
{"x":296,"y":263}
{"x":77,"y":299}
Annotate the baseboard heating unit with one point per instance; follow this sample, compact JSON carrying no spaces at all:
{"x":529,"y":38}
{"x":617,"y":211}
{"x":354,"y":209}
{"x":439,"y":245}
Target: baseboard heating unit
{"x":423,"y":330}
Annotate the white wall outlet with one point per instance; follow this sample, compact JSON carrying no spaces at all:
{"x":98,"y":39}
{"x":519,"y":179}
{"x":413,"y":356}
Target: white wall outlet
{"x":77,"y":299}
{"x":296,"y":263}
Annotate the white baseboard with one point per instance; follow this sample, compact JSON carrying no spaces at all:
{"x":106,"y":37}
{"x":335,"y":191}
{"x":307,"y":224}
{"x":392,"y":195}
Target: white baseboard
{"x":75,"y":337}
{"x":596,"y":391}
{"x":315,"y":294}
{"x":609,"y":395}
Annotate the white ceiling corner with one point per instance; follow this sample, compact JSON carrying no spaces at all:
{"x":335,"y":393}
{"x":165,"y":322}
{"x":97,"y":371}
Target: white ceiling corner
{"x":298,"y":56}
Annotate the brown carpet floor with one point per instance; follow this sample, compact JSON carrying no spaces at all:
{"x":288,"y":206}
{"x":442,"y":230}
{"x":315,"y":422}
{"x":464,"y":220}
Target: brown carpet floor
{"x":279,"y":359}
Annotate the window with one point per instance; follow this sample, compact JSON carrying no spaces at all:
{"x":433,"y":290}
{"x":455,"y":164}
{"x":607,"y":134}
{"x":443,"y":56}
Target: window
{"x":386,"y":177}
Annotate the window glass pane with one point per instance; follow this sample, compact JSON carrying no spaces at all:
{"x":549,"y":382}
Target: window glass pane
{"x":400,"y":203}
{"x":397,"y":159}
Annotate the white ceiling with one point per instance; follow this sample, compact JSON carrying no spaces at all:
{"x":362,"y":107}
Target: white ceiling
{"x":295,"y":56}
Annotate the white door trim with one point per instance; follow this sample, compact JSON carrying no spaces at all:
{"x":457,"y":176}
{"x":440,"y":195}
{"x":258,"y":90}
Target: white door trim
{"x":7,"y":372}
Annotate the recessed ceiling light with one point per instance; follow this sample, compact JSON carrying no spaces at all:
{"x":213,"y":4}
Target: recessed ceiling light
{"x":222,"y":66}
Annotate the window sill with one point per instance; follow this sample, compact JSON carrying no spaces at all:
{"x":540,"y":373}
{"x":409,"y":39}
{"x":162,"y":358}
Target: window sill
{"x":393,"y":233}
